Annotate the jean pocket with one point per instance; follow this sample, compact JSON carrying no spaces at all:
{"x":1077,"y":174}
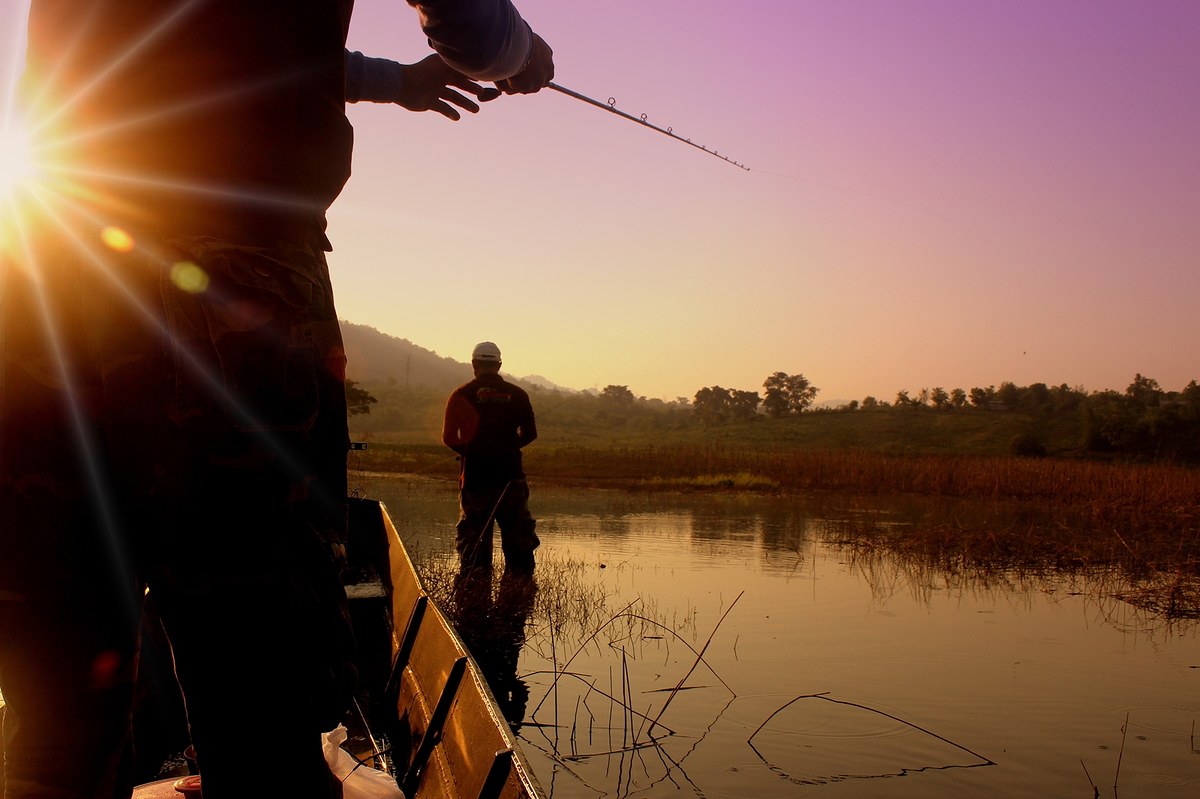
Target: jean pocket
{"x":240,"y":328}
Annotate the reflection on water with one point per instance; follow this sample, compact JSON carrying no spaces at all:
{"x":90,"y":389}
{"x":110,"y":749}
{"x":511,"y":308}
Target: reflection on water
{"x":492,"y":625}
{"x":744,"y":645}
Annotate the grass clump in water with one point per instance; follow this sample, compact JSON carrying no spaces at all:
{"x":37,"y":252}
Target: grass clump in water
{"x":736,"y":481}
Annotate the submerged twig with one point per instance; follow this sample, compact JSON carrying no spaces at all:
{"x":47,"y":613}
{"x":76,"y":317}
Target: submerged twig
{"x":683,"y":641}
{"x":825,"y":695}
{"x":699,"y":658}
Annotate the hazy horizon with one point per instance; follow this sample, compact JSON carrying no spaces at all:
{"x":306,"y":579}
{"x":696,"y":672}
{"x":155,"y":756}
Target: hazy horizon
{"x":822,"y":400}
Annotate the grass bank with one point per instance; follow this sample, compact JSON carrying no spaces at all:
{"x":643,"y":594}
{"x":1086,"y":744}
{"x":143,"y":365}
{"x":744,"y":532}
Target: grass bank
{"x":1096,"y":485}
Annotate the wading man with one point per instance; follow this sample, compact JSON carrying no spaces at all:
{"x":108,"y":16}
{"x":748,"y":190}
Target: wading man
{"x":488,"y":422}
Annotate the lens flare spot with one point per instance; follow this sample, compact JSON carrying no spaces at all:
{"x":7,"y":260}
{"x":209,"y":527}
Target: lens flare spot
{"x":189,"y":277}
{"x":117,"y":239}
{"x":106,"y":669}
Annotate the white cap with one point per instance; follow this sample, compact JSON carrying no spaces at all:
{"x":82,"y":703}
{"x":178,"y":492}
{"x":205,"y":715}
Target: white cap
{"x":486,"y":352}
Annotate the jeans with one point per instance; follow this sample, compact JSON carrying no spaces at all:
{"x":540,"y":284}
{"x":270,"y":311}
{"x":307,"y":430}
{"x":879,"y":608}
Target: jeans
{"x":505,"y":504}
{"x":172,"y":420}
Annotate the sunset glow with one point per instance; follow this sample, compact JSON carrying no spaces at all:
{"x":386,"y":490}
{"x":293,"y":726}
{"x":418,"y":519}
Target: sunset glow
{"x":939,"y":194}
{"x":16,"y":160}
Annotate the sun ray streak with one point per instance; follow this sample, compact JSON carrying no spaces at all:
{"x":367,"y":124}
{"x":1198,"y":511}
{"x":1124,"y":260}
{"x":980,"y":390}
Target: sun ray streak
{"x":266,"y":199}
{"x":212,"y":382}
{"x":100,"y":492}
{"x":16,"y":49}
{"x":102,"y":75}
{"x":212,"y":101}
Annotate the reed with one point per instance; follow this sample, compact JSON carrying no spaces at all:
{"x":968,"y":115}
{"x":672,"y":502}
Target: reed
{"x":573,"y":632}
{"x":1103,"y":489}
{"x":570,"y":607}
{"x":1077,"y":482}
{"x":1154,"y":568}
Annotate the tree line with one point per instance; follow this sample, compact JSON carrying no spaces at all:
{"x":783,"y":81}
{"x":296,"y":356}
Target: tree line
{"x":784,"y":395}
{"x":1143,"y":420}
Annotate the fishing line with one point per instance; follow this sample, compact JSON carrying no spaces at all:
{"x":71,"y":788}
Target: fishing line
{"x":611,"y":106}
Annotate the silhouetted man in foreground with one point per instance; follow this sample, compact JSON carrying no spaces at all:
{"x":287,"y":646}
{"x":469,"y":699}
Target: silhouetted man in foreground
{"x":172,"y":380}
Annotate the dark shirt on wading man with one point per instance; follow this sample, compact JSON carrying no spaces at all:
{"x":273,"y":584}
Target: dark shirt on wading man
{"x":488,"y":421}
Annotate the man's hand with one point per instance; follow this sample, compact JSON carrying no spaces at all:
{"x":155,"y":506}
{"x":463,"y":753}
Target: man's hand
{"x":538,"y":71}
{"x":427,"y":87}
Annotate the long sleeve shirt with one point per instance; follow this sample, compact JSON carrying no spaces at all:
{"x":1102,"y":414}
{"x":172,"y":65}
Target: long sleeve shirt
{"x":488,"y":421}
{"x":219,"y":117}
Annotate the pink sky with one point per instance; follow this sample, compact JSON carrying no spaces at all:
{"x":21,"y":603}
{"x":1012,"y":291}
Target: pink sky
{"x":942,"y":193}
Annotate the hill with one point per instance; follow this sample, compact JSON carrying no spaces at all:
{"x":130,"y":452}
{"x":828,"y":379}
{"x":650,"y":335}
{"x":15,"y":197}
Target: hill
{"x":377,"y":358}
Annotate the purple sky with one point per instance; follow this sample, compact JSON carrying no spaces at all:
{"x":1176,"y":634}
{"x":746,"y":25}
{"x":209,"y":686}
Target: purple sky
{"x":942,"y":193}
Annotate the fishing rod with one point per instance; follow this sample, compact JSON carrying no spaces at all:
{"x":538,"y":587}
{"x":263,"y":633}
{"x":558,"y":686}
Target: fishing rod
{"x":611,"y":106}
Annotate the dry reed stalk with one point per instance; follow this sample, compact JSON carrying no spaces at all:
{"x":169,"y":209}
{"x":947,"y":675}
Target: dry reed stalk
{"x":574,"y":727}
{"x":567,"y":664}
{"x":1095,"y":789}
{"x":613,"y":700}
{"x":610,"y":707}
{"x":1121,"y":753}
{"x":553,"y":686}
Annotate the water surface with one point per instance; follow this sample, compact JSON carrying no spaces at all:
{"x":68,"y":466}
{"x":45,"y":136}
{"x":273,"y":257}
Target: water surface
{"x":825,"y":670}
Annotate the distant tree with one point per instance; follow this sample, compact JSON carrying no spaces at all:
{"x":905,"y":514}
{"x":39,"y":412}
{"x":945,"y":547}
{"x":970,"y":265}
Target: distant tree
{"x":922,"y":397}
{"x":1108,"y":422}
{"x":617,"y":395}
{"x":1036,"y":396}
{"x":1064,"y":399}
{"x":852,"y":405}
{"x":1144,"y":392}
{"x":358,"y":400}
{"x":715,"y":405}
{"x":869,"y":403}
{"x":743,"y":404}
{"x":982,"y":397}
{"x":938,"y":398}
{"x":711,"y":405}
{"x":958,"y":398}
{"x":1191,"y":400}
{"x":1009,"y":394}
{"x":787,"y":395}
{"x":902,"y":400}
{"x":801,"y":393}
{"x":775,"y":400}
